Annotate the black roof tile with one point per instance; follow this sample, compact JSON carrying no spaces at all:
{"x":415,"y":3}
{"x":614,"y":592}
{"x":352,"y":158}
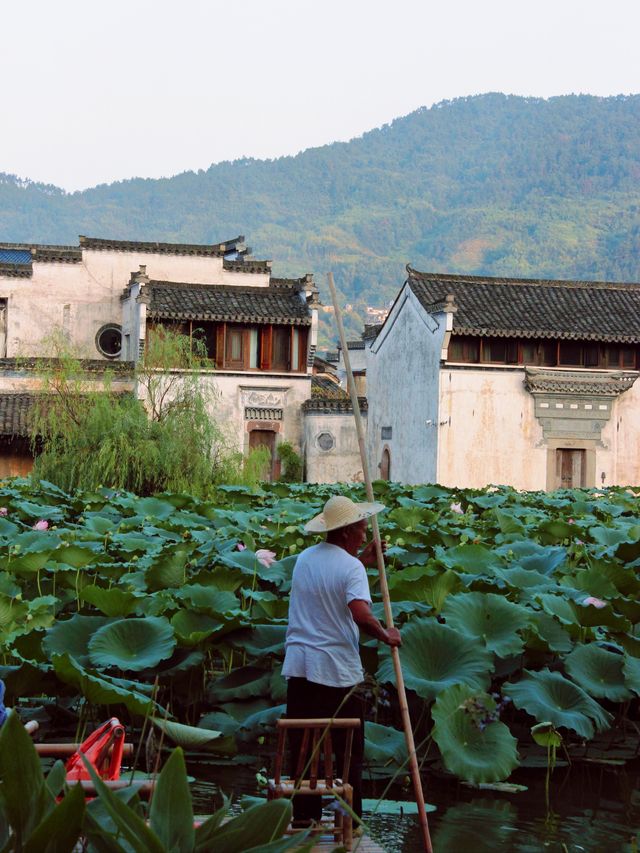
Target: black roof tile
{"x":213,"y":250}
{"x":534,"y":308}
{"x":173,"y":301}
{"x":15,"y":414}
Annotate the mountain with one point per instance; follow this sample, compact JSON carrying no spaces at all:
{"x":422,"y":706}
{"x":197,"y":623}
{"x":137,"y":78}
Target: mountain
{"x":491,"y":184}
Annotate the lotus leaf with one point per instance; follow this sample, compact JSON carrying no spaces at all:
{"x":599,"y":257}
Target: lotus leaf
{"x":418,"y":584}
{"x":112,"y":602}
{"x":132,"y":644}
{"x":549,"y":696}
{"x":101,"y":690}
{"x":394,"y":807}
{"x":474,"y":749}
{"x":490,"y":618}
{"x":167,"y":570}
{"x":550,"y":631}
{"x":72,"y":636}
{"x":598,"y":671}
{"x":508,"y":523}
{"x":243,"y":683}
{"x":385,"y":747}
{"x":631,"y":669}
{"x":193,"y":628}
{"x":208,"y":599}
{"x":76,"y":556}
{"x":474,"y":559}
{"x":435,"y":656}
{"x":188,"y":737}
{"x":259,"y":723}
{"x":261,"y":641}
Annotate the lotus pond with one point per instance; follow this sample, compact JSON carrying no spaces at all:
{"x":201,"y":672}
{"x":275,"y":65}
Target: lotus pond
{"x":519,"y":613}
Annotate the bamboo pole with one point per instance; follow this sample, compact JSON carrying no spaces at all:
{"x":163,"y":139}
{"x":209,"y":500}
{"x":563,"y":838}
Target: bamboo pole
{"x":384,"y":588}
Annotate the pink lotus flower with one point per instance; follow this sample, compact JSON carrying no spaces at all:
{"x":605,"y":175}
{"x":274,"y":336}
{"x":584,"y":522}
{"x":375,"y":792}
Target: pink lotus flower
{"x":265,"y":557}
{"x":241,"y":547}
{"x":594,"y":602}
{"x":457,"y":508}
{"x":4,"y":511}
{"x":43,"y":524}
{"x":570,"y":521}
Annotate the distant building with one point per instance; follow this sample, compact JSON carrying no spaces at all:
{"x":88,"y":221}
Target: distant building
{"x":107,"y":296}
{"x":531,"y":383}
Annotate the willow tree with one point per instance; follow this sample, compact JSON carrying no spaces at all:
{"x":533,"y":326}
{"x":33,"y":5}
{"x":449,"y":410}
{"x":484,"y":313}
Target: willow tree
{"x":160,"y":436}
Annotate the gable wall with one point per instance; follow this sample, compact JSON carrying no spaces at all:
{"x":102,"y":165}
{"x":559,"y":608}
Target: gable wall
{"x":402,"y":391}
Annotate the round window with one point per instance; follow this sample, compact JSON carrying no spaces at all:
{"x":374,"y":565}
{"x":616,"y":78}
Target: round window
{"x":326,"y":441}
{"x":109,"y":340}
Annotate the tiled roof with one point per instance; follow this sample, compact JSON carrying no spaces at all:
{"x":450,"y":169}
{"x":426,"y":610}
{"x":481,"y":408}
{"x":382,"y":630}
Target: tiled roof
{"x":173,"y":301}
{"x":534,"y":308}
{"x":247,"y":266}
{"x":8,"y":270}
{"x":329,"y":406}
{"x":15,"y":413}
{"x":23,"y":254}
{"x":214,"y":250}
{"x":323,"y":385}
{"x":538,"y":380}
{"x":88,"y":365}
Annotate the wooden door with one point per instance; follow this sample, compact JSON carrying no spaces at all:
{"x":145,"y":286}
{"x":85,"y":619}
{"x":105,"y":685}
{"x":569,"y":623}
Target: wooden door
{"x":385,"y":465}
{"x":264,"y":438}
{"x":570,"y":468}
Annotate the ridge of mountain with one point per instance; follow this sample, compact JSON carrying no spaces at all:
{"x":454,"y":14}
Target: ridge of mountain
{"x":489,"y":185}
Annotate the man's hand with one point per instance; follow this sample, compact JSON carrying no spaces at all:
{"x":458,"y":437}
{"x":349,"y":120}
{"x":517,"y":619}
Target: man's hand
{"x":393,"y":637}
{"x":368,"y":555}
{"x":367,"y":622}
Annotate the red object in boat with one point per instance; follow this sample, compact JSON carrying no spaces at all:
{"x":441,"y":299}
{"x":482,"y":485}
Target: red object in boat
{"x":102,"y":749}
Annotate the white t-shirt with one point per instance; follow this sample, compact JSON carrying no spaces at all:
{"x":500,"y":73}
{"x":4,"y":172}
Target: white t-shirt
{"x":322,"y":638}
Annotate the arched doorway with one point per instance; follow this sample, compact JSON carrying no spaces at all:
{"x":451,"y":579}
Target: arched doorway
{"x":385,"y":465}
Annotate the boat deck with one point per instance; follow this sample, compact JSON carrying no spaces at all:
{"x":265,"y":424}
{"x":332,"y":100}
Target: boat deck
{"x":361,"y":844}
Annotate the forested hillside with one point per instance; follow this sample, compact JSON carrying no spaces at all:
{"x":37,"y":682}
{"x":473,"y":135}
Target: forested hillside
{"x":489,"y":184}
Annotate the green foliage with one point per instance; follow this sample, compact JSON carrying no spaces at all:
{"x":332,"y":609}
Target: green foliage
{"x":128,"y":590}
{"x":472,"y":749}
{"x":163,"y":437}
{"x":291,"y":461}
{"x":36,"y":823}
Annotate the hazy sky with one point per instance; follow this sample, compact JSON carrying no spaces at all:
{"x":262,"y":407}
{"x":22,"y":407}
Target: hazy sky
{"x":99,"y":91}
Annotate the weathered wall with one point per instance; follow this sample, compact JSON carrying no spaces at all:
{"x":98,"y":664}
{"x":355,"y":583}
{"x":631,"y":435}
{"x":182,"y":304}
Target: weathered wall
{"x":339,"y":464}
{"x":402,"y":391}
{"x":490,"y":433}
{"x":91,"y":289}
{"x":619,"y":460}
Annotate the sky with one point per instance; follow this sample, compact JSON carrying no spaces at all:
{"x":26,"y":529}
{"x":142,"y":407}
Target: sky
{"x":94,"y":92}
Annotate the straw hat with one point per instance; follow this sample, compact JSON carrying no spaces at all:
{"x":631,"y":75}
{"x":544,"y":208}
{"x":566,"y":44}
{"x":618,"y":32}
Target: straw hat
{"x":340,"y":511}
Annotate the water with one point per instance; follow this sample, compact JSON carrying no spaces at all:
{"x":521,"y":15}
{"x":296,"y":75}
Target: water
{"x":592,"y":808}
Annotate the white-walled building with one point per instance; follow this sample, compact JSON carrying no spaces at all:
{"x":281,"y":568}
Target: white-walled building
{"x":529,"y":383}
{"x":106,"y":296}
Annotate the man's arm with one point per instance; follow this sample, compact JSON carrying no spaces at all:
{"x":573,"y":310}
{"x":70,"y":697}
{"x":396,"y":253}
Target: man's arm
{"x":367,"y":622}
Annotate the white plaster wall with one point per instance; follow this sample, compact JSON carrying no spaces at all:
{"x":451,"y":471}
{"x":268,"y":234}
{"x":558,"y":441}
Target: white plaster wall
{"x":113,"y":269}
{"x":491,"y":434}
{"x":92,"y":290}
{"x":228,"y":394}
{"x":342,"y":463}
{"x":402,"y":391}
{"x":619,"y":460}
{"x":36,"y":308}
{"x":27,"y":381}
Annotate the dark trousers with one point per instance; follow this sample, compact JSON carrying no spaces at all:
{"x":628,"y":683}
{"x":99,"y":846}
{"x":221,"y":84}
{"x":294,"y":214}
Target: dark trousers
{"x":305,"y":700}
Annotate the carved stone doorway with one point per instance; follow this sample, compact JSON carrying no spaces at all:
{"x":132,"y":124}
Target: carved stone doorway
{"x":570,"y":468}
